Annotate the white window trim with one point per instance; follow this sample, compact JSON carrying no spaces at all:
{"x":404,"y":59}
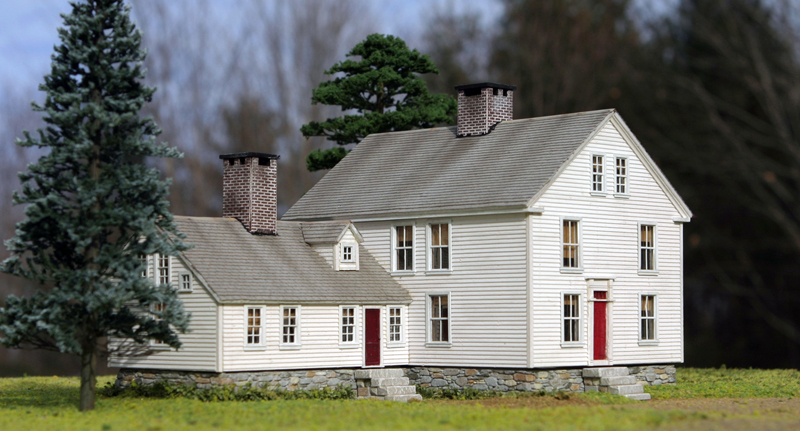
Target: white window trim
{"x":298,"y":324}
{"x":349,"y":344}
{"x":640,"y":271}
{"x":402,"y":342}
{"x":155,"y":345}
{"x":581,"y":319}
{"x":343,"y":254}
{"x":262,"y":345}
{"x":603,"y":181}
{"x":393,"y":252}
{"x":627,"y":177}
{"x":653,"y":342}
{"x":157,"y":266}
{"x":428,"y":329}
{"x":180,"y":282}
{"x":579,"y":268}
{"x":429,"y":256}
{"x":338,"y":253}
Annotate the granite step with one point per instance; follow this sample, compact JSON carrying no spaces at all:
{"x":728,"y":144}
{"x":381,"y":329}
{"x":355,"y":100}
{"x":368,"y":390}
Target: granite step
{"x":389,"y":381}
{"x":606,"y":372}
{"x":639,"y":397}
{"x":625,"y":389}
{"x":404,"y":398}
{"x":380,"y":373}
{"x":617,"y":381}
{"x":394,"y":390}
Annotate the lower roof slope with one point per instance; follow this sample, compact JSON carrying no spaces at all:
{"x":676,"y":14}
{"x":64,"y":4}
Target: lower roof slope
{"x":432,"y":170}
{"x":240,"y":267}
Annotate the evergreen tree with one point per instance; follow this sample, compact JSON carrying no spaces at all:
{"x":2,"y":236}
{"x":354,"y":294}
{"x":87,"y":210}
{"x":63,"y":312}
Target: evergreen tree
{"x":93,"y":208}
{"x":383,"y":87}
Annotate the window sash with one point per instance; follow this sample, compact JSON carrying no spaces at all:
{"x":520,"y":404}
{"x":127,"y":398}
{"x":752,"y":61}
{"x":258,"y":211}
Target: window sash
{"x":347,"y":253}
{"x":440,"y":318}
{"x":348,"y":325}
{"x":159,"y":307}
{"x":647,"y":247}
{"x":597,"y":174}
{"x":289,"y":326}
{"x":163,"y":269}
{"x":254,"y":335}
{"x":440,"y":246}
{"x":143,"y":261}
{"x":648,"y":318}
{"x":570,"y":244}
{"x":572,"y":318}
{"x":621,"y":175}
{"x":395,"y":325}
{"x":186,"y":282}
{"x":404,"y":248}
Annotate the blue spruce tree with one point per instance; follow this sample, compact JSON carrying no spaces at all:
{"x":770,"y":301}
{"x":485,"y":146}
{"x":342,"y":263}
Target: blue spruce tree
{"x":93,"y":208}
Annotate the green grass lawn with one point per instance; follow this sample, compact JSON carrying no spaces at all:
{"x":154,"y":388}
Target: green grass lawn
{"x":34,"y":403}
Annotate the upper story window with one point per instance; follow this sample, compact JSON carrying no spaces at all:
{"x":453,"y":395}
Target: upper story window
{"x":598,"y":177}
{"x":163,"y":269}
{"x":395,"y":325}
{"x":186,"y":282}
{"x":621,"y":181}
{"x":254,"y":329}
{"x":647,"y":247}
{"x":440,"y":246}
{"x":404,"y":248}
{"x":572,"y":318}
{"x":347,"y":252}
{"x":570,"y":244}
{"x":289,"y":325}
{"x":648,"y":318}
{"x":348,"y":329}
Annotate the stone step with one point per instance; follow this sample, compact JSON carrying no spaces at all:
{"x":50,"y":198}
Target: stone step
{"x":390,"y":381}
{"x":606,"y":372}
{"x":380,"y":373}
{"x":404,"y":398}
{"x":617,"y":381}
{"x":625,"y":389}
{"x":639,"y":397}
{"x":394,"y":390}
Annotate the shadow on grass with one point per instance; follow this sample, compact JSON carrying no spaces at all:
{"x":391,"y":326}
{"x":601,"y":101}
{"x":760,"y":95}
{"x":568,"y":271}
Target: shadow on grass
{"x":39,"y":392}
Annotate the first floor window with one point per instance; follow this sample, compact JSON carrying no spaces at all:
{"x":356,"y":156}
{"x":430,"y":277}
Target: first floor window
{"x":404,"y":248}
{"x":158,"y":308}
{"x":143,"y":262}
{"x":648,"y":317}
{"x":597,"y":174}
{"x":440,"y":246}
{"x":348,"y":324}
{"x":395,"y":324}
{"x":647,"y":247}
{"x":254,"y":326}
{"x":572,"y":318}
{"x":570,"y":245}
{"x":289,"y":326}
{"x":622,"y":175}
{"x":163,"y":269}
{"x":440,"y":318}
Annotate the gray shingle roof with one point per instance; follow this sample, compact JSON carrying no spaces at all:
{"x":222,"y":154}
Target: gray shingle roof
{"x":431,"y":170}
{"x":240,"y":267}
{"x":323,"y":232}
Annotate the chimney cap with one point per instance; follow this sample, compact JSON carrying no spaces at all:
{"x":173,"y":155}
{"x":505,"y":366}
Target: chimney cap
{"x":485,"y":85}
{"x":249,"y":154}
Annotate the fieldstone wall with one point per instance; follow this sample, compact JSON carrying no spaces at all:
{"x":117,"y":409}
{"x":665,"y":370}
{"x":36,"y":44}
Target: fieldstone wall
{"x":288,"y":380}
{"x":652,"y":375}
{"x":498,"y":379}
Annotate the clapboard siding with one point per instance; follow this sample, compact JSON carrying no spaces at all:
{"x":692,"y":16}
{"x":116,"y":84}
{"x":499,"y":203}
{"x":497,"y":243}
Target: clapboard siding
{"x":319,"y":340}
{"x":609,"y":239}
{"x":487,"y":289}
{"x":199,"y":350}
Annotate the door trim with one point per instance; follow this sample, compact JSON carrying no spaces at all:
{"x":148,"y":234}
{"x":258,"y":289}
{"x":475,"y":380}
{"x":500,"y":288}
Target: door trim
{"x":380,"y":337}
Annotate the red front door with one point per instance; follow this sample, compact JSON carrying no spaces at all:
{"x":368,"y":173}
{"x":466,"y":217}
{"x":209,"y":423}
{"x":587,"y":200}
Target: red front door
{"x":600,"y":325}
{"x":372,"y":337}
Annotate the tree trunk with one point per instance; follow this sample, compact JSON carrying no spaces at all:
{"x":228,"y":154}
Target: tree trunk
{"x":88,"y":376}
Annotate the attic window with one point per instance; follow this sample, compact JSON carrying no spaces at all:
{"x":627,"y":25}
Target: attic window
{"x":347,"y":253}
{"x":472,"y":92}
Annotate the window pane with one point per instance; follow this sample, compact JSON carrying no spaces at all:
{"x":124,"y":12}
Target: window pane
{"x":445,"y":253}
{"x":445,"y":331}
{"x":435,"y":234}
{"x":445,"y":238}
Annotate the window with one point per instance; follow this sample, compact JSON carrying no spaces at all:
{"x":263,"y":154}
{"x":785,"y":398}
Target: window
{"x":163,"y":269}
{"x":647,"y":247}
{"x":348,"y":333}
{"x":289,"y":326}
{"x":158,"y":308}
{"x":347,"y":253}
{"x":597,"y":174}
{"x":570,"y":244}
{"x":395,"y":325}
{"x":440,"y":318}
{"x":572,"y":318}
{"x":622,"y":176}
{"x":186,"y":282}
{"x":254,"y":336}
{"x":440,"y":246}
{"x":648,"y":318}
{"x":143,"y":262}
{"x":404,"y":248}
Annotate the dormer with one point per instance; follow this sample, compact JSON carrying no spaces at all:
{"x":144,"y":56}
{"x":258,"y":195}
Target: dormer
{"x":336,"y":241}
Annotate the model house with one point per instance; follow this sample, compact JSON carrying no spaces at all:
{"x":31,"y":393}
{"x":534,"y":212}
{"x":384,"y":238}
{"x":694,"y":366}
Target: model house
{"x":499,"y":253}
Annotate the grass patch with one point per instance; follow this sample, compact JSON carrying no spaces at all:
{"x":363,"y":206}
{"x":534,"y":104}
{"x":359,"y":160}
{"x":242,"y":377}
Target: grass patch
{"x":163,"y":389}
{"x":730,"y":383}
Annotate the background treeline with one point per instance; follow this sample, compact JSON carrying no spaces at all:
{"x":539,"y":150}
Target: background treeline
{"x":710,"y":87}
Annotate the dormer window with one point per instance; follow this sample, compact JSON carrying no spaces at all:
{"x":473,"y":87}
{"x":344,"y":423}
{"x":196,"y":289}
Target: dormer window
{"x":346,"y":256}
{"x":347,"y":253}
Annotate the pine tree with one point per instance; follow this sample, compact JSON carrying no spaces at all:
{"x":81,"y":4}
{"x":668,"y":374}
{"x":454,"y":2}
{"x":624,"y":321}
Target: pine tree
{"x":383,"y":87}
{"x":93,"y":208}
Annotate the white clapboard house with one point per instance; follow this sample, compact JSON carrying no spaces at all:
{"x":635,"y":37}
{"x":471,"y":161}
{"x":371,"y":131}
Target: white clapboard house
{"x":550,"y":243}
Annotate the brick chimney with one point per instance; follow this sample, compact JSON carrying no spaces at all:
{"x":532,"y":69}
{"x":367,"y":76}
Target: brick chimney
{"x":250,"y":190}
{"x":482,"y":106}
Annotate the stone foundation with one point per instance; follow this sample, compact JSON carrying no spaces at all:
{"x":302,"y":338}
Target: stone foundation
{"x":287,"y":380}
{"x":498,"y":379}
{"x":652,"y":375}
